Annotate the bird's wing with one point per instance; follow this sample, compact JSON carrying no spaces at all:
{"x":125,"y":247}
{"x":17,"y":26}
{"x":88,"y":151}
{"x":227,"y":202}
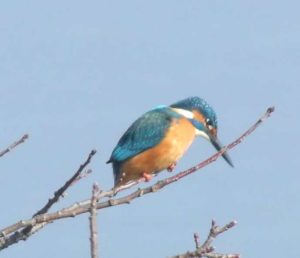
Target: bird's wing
{"x":144,"y":133}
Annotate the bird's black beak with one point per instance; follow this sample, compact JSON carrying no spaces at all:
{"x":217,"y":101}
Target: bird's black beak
{"x":217,"y":144}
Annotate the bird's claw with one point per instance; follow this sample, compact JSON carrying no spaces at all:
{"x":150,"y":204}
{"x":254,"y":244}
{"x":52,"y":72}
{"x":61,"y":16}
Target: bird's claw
{"x":147,"y":177}
{"x":171,"y":167}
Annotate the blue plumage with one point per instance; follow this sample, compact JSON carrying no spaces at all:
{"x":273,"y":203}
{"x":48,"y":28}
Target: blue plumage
{"x":144,"y":133}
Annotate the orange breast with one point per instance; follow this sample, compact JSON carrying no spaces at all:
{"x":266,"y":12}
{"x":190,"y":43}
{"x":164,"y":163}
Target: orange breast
{"x":178,"y":138}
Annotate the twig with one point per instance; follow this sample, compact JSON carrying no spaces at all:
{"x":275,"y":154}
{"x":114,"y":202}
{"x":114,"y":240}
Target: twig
{"x":207,"y":250}
{"x":93,"y":223}
{"x":215,"y":231}
{"x":197,"y":240}
{"x":62,"y":190}
{"x":15,"y":144}
{"x":23,"y":230}
{"x":84,"y":174}
{"x":7,"y":234}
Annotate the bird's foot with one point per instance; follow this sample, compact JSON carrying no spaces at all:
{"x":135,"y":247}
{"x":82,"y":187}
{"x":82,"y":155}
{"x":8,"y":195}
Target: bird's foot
{"x":147,"y":177}
{"x":171,"y":167}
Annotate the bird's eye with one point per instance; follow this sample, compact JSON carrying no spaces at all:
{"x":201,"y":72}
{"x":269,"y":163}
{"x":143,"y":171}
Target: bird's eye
{"x":209,"y":124}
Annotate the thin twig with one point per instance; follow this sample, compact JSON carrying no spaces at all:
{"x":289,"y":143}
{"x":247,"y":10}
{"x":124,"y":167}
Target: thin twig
{"x":197,"y":240}
{"x":15,"y":144}
{"x":207,"y":250}
{"x":62,"y":190}
{"x":7,"y":234}
{"x":215,"y":231}
{"x":93,"y":223}
{"x":28,"y":229}
{"x":82,"y":175}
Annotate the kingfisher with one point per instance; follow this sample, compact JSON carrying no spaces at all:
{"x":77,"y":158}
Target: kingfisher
{"x":160,"y":137}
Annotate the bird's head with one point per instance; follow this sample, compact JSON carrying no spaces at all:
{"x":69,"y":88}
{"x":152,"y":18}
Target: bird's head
{"x":203,"y":118}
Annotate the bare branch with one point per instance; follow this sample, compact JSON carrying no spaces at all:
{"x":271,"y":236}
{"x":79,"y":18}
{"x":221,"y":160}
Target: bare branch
{"x":207,"y":250}
{"x":22,"y":230}
{"x":83,"y":207}
{"x":197,"y":240}
{"x":82,"y":175}
{"x":215,"y":231}
{"x":93,"y":222}
{"x":15,"y":144}
{"x":62,"y":190}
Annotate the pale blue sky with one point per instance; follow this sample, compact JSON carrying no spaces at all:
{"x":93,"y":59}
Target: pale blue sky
{"x":75,"y":74}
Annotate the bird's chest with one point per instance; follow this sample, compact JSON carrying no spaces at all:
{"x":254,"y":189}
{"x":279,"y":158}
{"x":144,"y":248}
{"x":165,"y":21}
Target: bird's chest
{"x":177,"y":139}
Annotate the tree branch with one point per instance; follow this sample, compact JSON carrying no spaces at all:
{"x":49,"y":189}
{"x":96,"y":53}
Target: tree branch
{"x":22,"y":230}
{"x":62,"y":190}
{"x":8,"y":233}
{"x":206,"y":249}
{"x":14,"y":145}
{"x":93,"y":223}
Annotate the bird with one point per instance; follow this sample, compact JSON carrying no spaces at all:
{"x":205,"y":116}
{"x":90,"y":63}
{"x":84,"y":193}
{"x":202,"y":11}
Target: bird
{"x":159,"y":138}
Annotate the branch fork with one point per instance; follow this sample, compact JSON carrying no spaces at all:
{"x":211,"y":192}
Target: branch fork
{"x":206,"y":249}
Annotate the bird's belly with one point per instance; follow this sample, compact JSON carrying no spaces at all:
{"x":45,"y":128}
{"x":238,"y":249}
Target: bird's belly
{"x":177,"y":140}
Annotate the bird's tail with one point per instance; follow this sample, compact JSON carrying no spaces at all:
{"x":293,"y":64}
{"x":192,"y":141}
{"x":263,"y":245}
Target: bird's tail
{"x":116,"y":170}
